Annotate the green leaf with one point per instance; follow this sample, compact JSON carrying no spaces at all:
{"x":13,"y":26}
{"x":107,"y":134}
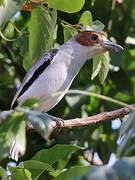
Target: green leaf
{"x":20,"y":140}
{"x":101,"y":66}
{"x":42,"y":26}
{"x":2,"y":172}
{"x":105,"y":59}
{"x":9,"y":31}
{"x":37,"y":168}
{"x":73,"y":173}
{"x":66,"y":5}
{"x":96,"y":67}
{"x":125,"y":168}
{"x":88,"y":24}
{"x":19,"y":173}
{"x":2,"y":3}
{"x":69,"y":31}
{"x":126,"y":134}
{"x":86,"y":18}
{"x":102,"y":173}
{"x":12,"y":129}
{"x":55,"y":153}
{"x":29,"y":103}
{"x":40,"y":121}
{"x":98,"y":26}
{"x":9,"y":10}
{"x":23,"y":43}
{"x":122,"y":170}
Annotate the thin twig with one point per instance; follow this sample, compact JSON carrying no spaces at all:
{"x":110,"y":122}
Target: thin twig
{"x":124,"y":11}
{"x":92,"y":120}
{"x":99,"y":96}
{"x":110,"y":20}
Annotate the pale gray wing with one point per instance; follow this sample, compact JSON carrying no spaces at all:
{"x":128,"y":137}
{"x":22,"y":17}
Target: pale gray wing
{"x":40,"y":65}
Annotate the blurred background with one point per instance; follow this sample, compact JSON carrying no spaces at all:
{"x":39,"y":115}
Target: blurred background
{"x":102,"y":140}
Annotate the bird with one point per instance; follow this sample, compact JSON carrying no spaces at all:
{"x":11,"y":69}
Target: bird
{"x":56,"y":69}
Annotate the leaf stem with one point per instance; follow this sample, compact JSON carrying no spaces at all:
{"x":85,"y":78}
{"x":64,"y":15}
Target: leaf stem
{"x":87,"y":93}
{"x":6,"y":39}
{"x":17,"y":30}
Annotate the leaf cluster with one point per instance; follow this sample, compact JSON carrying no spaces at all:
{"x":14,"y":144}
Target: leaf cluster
{"x":24,"y":38}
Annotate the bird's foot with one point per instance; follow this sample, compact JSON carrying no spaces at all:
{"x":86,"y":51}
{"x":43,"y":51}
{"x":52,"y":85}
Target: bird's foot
{"x":59,"y":121}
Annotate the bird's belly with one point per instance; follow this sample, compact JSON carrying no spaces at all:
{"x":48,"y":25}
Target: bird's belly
{"x":49,"y":103}
{"x":47,"y":84}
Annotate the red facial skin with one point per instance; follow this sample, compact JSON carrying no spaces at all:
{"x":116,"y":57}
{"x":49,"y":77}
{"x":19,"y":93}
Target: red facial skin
{"x":85,"y":38}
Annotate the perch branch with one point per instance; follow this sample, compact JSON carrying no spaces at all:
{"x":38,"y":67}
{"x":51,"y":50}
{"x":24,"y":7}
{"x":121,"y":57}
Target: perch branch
{"x":92,"y":120}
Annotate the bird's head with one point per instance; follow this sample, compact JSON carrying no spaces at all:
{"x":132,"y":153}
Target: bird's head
{"x":96,"y":42}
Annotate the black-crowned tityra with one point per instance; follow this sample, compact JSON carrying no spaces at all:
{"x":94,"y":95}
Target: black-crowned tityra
{"x":55,"y":70}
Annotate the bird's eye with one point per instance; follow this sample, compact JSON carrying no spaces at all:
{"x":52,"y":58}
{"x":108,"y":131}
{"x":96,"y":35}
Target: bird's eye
{"x":94,"y":37}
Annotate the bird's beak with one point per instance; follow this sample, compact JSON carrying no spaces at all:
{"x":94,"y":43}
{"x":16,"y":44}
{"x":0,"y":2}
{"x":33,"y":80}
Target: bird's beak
{"x":111,"y":46}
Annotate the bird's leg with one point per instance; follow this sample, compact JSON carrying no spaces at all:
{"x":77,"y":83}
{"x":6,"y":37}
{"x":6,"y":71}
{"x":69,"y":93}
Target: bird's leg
{"x":59,"y":121}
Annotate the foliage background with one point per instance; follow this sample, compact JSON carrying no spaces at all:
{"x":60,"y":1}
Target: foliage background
{"x":23,"y":39}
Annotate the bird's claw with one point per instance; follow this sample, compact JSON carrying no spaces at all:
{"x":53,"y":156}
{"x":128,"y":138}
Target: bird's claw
{"x":59,"y":121}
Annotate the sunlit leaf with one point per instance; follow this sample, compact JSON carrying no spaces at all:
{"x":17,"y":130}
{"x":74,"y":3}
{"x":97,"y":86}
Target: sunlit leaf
{"x":9,"y":31}
{"x":20,"y":140}
{"x":12,"y":129}
{"x":88,"y":24}
{"x":2,"y":172}
{"x":2,"y":3}
{"x":66,"y":5}
{"x":19,"y":173}
{"x":105,"y":61}
{"x":9,"y":10}
{"x":101,"y":66}
{"x":41,"y":28}
{"x":96,"y":67}
{"x":86,"y":18}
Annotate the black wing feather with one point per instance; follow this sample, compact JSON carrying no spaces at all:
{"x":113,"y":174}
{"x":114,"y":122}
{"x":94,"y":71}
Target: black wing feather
{"x":36,"y":74}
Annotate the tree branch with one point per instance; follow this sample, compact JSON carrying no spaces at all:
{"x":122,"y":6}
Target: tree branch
{"x":92,"y":120}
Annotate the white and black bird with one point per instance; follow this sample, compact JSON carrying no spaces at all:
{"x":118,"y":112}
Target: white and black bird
{"x":55,"y":70}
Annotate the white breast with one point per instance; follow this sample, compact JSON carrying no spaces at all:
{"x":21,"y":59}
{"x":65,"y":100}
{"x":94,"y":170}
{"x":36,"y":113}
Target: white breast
{"x":58,"y":76}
